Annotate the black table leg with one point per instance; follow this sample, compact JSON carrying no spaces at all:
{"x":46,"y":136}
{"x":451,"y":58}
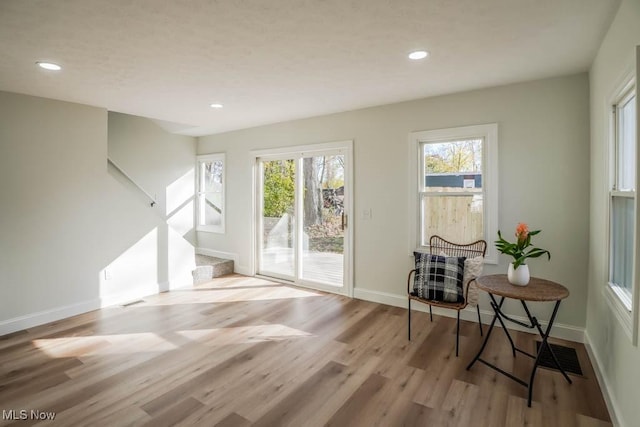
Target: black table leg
{"x":486,"y":338}
{"x":504,"y":327}
{"x":545,"y":337}
{"x":544,"y":343}
{"x":409,"y":321}
{"x":544,"y":334}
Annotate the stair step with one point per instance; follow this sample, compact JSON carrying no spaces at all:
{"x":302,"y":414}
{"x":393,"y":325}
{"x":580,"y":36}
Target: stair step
{"x":208,"y":267}
{"x":202,"y":273}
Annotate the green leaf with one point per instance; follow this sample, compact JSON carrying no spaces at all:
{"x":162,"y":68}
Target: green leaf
{"x":518,"y":262}
{"x":537,"y":252}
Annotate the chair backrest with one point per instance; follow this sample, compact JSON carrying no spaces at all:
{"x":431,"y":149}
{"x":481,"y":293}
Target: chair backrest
{"x":469,"y":250}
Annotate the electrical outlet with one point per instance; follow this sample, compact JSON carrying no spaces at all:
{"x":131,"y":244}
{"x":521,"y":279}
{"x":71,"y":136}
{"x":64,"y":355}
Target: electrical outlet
{"x":366,"y":214}
{"x":107,"y":274}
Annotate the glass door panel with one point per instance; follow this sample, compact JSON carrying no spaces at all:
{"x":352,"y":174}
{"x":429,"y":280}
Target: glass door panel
{"x":302,"y":233}
{"x":277,"y":250}
{"x":322,"y":252}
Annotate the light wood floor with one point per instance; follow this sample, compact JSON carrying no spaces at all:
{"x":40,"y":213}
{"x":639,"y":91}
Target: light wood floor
{"x":241,"y":351}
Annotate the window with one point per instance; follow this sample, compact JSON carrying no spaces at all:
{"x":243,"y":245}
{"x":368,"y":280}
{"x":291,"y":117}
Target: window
{"x":456,"y":188}
{"x":622,"y":292}
{"x":622,"y":196}
{"x":210,"y":193}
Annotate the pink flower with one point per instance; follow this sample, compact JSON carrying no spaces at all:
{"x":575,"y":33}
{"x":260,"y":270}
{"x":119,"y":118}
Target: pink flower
{"x":522,"y":231}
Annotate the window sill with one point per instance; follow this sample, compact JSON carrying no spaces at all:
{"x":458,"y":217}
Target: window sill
{"x":620,"y":305}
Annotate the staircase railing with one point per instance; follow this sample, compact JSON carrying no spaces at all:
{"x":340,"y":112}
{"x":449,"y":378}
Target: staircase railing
{"x":126,"y":175}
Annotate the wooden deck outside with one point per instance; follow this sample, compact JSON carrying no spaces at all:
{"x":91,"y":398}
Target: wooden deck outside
{"x":321,"y":267}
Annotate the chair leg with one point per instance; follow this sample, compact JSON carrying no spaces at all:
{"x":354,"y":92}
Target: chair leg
{"x":457,"y":332}
{"x":430,"y":313}
{"x":479,"y":319}
{"x":409,"y":319}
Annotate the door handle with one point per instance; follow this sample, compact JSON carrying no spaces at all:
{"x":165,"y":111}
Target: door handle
{"x":344,"y":220}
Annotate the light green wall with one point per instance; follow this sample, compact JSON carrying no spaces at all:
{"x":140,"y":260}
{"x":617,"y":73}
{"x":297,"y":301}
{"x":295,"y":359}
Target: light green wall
{"x":163,"y":164}
{"x":54,"y":179}
{"x":619,"y":361}
{"x":65,"y":218}
{"x":543,"y":175}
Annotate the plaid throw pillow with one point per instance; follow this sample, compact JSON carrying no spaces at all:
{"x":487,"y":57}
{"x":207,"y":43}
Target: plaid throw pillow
{"x":439,"y":278}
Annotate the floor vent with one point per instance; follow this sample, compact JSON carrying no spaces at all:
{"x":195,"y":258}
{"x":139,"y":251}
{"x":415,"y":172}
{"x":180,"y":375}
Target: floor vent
{"x":129,"y":304}
{"x":567,"y":357}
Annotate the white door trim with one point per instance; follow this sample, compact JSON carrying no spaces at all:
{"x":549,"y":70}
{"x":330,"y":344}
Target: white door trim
{"x":342,"y":147}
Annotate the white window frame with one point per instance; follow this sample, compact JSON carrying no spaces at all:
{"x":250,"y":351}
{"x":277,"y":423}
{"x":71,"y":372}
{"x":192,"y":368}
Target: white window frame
{"x":489,"y":134}
{"x":208,"y":158}
{"x":623,"y":304}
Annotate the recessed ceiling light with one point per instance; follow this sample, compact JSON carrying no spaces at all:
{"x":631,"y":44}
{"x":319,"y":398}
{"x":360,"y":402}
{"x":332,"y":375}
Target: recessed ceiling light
{"x":49,"y":66}
{"x":418,"y":54}
{"x":216,"y":106}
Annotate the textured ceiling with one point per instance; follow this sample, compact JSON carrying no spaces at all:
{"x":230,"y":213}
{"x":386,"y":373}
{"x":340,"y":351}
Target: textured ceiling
{"x":274,"y":60}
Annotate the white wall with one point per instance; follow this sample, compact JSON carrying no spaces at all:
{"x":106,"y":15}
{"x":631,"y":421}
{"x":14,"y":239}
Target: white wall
{"x":162,"y":164}
{"x":543,"y":174}
{"x":65,"y":218}
{"x":618,"y":360}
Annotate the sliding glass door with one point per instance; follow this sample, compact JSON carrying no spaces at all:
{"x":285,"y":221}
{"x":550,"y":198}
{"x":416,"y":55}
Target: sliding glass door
{"x":277,"y":248}
{"x":302,"y":218}
{"x":323,"y":226}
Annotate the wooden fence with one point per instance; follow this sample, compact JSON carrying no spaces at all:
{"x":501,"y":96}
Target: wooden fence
{"x":455,"y":218}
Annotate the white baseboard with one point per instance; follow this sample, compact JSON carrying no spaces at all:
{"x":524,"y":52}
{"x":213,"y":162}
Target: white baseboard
{"x":562,"y":331}
{"x":173,"y":286}
{"x":164,"y":286}
{"x":223,"y":255}
{"x":41,"y":317}
{"x":51,"y":315}
{"x":614,"y":411}
{"x":217,"y":254}
{"x":242,"y":269}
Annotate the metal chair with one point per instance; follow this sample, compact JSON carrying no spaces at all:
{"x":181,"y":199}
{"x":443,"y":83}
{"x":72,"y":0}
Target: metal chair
{"x":438,"y":245}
